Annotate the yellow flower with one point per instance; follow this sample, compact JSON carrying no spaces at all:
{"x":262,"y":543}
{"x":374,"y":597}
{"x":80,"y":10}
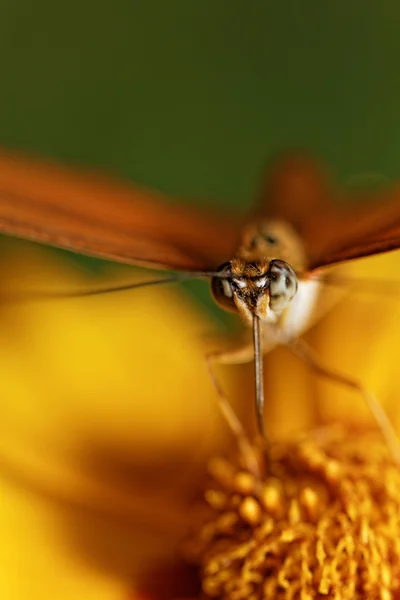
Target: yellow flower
{"x":108,"y":418}
{"x":322,"y":521}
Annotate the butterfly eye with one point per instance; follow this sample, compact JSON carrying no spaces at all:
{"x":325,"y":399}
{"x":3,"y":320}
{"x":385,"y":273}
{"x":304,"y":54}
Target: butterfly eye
{"x":283,"y":284}
{"x":222,"y":288}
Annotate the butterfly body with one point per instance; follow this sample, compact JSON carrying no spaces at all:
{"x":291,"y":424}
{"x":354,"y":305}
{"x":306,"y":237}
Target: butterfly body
{"x":267,"y":280}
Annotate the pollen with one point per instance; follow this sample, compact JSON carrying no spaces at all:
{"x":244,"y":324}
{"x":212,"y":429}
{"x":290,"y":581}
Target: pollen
{"x":322,"y":522}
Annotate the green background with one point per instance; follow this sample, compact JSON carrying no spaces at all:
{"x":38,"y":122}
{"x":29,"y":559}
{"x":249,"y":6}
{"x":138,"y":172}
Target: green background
{"x":191,"y":96}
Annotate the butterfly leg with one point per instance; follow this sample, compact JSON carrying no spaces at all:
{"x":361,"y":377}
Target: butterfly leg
{"x":238,"y":356}
{"x":302,"y":350}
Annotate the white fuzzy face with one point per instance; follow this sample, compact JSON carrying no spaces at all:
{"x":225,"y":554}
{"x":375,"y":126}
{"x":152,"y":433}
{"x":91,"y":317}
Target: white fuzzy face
{"x":301,"y":310}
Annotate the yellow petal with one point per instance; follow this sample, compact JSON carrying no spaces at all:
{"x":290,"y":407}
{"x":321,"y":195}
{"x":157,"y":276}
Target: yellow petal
{"x":106,"y":412}
{"x":361,"y":338}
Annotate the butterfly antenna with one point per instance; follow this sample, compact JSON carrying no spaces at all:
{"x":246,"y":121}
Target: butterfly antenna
{"x":364,"y":284}
{"x":181,"y":276}
{"x":34,"y":296}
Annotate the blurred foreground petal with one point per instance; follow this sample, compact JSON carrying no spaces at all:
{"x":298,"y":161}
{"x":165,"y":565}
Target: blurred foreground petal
{"x":107,"y":416}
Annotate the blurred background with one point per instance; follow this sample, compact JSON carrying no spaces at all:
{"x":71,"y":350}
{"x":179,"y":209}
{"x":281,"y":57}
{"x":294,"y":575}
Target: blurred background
{"x":105,"y":401}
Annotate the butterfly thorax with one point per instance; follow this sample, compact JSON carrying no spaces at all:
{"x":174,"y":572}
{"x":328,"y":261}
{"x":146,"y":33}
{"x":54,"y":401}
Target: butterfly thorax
{"x":262,"y":279}
{"x":267,"y":239}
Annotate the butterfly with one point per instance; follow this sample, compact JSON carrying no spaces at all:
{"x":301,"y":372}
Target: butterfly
{"x":268,"y":265}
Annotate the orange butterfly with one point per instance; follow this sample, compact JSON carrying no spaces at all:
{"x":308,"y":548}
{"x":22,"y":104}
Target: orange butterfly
{"x":272,"y":264}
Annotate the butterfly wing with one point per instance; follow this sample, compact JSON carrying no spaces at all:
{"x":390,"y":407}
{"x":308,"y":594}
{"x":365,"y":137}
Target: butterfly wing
{"x":334,"y":227}
{"x":368,"y":229}
{"x":109,"y":219}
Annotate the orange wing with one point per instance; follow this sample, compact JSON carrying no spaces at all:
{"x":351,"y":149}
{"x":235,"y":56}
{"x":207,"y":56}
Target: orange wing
{"x":371,"y":228}
{"x":333,"y":226}
{"x":90,"y":214}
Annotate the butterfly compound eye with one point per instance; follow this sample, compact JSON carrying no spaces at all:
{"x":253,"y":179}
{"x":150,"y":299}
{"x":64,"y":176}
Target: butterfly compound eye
{"x":283,"y":284}
{"x":222,"y":288}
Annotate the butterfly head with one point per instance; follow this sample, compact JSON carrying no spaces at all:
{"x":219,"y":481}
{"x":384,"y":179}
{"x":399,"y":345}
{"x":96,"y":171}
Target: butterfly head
{"x":262,"y":288}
